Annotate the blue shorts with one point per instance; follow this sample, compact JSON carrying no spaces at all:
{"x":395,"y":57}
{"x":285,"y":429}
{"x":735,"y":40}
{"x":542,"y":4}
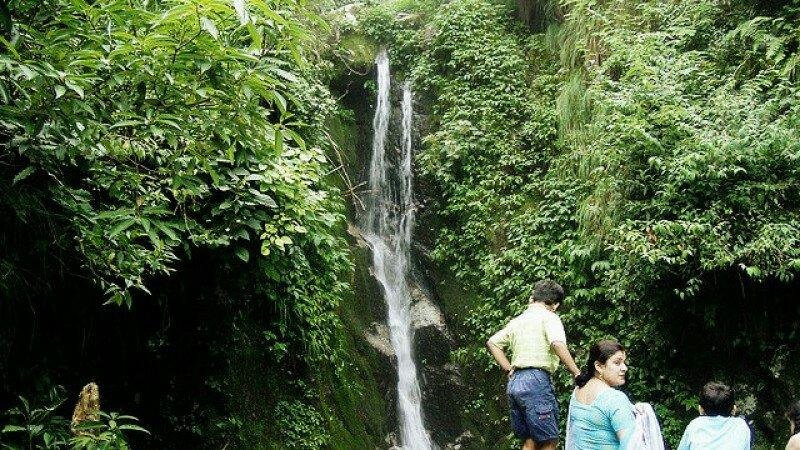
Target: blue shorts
{"x":532,"y":401}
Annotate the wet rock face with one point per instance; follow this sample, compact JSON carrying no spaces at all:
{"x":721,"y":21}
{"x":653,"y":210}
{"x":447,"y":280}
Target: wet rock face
{"x":442,"y":387}
{"x":440,"y":380}
{"x":443,"y":390}
{"x":432,"y":343}
{"x":443,"y":400}
{"x":378,"y":337}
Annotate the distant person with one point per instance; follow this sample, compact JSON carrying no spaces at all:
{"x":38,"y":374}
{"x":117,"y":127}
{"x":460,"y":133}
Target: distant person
{"x":793,"y":414}
{"x":537,"y":341}
{"x":716,"y":428}
{"x":600,"y":416}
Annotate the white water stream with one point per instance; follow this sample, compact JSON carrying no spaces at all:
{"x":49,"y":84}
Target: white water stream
{"x":390,"y":218}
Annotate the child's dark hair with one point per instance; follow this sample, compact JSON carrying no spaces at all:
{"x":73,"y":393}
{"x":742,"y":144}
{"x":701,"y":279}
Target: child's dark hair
{"x":717,"y":399}
{"x":793,"y":414}
{"x":547,"y":291}
{"x":599,"y":352}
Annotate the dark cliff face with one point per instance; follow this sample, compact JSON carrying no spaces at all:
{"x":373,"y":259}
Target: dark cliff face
{"x":443,"y":391}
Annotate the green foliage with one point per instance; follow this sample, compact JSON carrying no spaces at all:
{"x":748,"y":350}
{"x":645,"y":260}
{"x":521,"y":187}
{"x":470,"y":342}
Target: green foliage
{"x":140,"y":138}
{"x":33,"y":427}
{"x":694,"y":170}
{"x":644,"y":154}
{"x":42,"y":428}
{"x":694,"y":174}
{"x":395,"y":26}
{"x":301,"y":425}
{"x":163,"y":126}
{"x":108,"y":433}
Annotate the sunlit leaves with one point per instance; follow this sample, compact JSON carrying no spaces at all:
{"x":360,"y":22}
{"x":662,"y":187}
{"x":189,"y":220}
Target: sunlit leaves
{"x":188,"y":122}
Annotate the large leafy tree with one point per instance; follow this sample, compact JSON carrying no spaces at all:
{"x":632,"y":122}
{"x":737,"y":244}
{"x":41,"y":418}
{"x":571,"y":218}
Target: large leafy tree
{"x":138,"y":135}
{"x":156,"y":127}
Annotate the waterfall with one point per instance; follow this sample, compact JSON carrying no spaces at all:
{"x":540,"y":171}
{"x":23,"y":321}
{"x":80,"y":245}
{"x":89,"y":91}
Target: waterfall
{"x":390,"y":218}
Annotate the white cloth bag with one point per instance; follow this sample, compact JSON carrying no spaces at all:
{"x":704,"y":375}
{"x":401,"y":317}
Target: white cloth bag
{"x":647,"y":433}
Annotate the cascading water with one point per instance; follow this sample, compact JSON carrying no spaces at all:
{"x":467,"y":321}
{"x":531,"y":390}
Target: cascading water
{"x":390,"y":218}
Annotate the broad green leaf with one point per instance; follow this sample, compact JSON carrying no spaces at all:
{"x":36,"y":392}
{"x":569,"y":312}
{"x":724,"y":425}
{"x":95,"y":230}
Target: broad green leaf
{"x":78,"y":90}
{"x":9,"y":47}
{"x":293,"y":135}
{"x":166,"y":229}
{"x":24,"y":173}
{"x":126,"y":123}
{"x":120,"y":227}
{"x":278,"y":141}
{"x":132,"y":427}
{"x":279,"y":100}
{"x":26,"y":71}
{"x":256,"y":37}
{"x":115,"y":213}
{"x":285,"y":74}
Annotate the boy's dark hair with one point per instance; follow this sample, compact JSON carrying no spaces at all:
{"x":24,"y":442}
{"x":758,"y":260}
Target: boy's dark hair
{"x":547,"y":291}
{"x":716,"y":399}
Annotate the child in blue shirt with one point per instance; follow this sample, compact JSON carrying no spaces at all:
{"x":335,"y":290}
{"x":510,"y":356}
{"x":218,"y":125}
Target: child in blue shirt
{"x":716,"y":428}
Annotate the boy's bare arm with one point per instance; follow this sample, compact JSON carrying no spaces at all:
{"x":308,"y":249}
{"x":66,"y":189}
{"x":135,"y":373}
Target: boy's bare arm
{"x":499,"y":356}
{"x":564,"y":355}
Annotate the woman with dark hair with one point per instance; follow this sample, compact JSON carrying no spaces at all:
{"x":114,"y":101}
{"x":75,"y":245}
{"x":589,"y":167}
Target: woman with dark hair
{"x":793,"y":414}
{"x":600,"y":416}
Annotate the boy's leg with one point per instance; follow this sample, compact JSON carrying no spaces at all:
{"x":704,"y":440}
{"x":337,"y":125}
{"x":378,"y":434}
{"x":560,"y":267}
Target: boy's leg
{"x":541,"y":410}
{"x":517,"y":415}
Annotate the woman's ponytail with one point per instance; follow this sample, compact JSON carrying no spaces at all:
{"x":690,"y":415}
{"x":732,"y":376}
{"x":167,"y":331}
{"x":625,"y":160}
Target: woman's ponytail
{"x":585,"y":375}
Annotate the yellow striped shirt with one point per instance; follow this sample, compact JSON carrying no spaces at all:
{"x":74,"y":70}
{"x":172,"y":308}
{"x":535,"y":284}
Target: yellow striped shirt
{"x":528,"y":337}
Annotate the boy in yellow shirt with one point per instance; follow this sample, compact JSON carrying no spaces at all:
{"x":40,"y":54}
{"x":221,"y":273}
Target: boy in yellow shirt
{"x":537,"y":342}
